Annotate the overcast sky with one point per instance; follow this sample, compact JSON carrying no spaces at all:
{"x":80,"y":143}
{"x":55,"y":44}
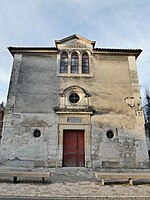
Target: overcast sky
{"x":111,"y":23}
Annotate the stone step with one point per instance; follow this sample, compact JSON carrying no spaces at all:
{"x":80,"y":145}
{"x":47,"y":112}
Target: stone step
{"x":75,"y":198}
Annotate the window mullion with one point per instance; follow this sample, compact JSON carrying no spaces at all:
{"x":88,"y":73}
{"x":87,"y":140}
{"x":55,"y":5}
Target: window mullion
{"x":80,"y":64}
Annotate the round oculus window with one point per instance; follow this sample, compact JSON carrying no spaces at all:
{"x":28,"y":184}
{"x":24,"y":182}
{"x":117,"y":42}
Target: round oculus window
{"x":74,"y":98}
{"x":37,"y":133}
{"x":110,"y":134}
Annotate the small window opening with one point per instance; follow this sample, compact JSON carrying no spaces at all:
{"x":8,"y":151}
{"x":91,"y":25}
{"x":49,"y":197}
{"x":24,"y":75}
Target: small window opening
{"x":74,"y":98}
{"x":110,"y":134}
{"x":37,"y":133}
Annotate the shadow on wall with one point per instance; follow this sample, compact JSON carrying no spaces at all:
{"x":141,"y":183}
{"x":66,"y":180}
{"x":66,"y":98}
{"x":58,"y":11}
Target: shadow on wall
{"x":2,"y":108}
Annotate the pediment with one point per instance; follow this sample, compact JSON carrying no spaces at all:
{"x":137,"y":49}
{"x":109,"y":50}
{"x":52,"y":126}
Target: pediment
{"x":74,"y":42}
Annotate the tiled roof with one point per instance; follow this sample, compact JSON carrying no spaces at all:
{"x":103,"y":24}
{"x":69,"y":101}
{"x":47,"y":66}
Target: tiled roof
{"x":30,"y":49}
{"x":111,"y":49}
{"x":135,"y":52}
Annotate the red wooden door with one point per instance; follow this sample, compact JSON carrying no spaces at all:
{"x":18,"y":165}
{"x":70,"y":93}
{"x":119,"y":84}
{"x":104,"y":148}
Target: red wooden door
{"x":73,"y":148}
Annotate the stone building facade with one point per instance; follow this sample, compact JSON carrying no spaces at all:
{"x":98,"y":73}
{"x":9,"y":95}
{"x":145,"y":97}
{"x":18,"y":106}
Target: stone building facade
{"x":74,"y":105}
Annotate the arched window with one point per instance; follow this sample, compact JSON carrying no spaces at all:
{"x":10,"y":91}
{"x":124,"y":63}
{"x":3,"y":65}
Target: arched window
{"x":64,"y":63}
{"x":85,"y":63}
{"x":74,"y":63}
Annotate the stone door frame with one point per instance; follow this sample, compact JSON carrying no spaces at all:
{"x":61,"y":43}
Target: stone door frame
{"x":87,"y":140}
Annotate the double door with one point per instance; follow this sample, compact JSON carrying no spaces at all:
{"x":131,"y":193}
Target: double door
{"x":73,"y":148}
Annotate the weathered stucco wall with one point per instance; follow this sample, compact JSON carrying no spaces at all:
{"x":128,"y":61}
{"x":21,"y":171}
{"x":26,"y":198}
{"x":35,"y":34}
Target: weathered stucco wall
{"x":109,"y":87}
{"x":37,"y":86}
{"x":36,"y":100}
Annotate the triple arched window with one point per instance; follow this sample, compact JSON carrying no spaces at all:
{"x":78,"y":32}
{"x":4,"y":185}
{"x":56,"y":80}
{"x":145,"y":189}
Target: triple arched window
{"x":74,"y":63}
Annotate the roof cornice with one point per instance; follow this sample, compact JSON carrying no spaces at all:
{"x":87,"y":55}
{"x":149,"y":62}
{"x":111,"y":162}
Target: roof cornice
{"x":20,"y":50}
{"x":127,"y":52}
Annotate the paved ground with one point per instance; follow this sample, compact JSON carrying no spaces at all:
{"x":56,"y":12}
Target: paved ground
{"x":74,"y":184}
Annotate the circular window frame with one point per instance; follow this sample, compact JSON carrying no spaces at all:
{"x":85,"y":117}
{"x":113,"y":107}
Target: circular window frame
{"x":71,"y":93}
{"x":37,"y":133}
{"x":108,"y":134}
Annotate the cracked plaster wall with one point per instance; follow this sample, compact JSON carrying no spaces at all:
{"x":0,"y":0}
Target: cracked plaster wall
{"x":33,"y":94}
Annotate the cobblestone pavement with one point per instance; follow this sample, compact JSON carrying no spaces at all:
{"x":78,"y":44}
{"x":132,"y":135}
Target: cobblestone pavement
{"x":72,"y":185}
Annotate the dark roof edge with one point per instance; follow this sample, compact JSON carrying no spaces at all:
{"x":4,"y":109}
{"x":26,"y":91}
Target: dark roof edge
{"x":135,"y":52}
{"x":19,"y":49}
{"x":14,"y":48}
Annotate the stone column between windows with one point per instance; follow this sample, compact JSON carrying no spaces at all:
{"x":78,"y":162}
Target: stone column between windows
{"x":80,"y":65}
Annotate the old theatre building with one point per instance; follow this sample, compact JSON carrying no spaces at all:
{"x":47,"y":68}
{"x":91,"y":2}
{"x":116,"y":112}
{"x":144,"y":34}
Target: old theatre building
{"x":74,"y":105}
